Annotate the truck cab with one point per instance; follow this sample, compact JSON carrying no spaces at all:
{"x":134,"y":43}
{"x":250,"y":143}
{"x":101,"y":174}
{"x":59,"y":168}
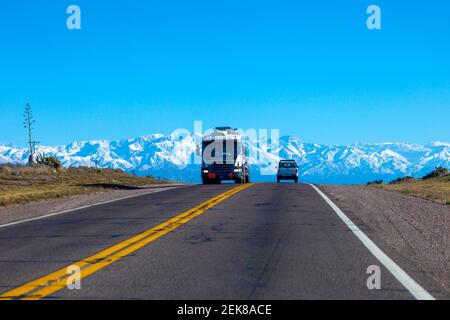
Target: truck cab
{"x":224,"y":157}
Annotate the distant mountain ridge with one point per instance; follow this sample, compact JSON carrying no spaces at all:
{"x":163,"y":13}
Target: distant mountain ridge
{"x":168,"y":156}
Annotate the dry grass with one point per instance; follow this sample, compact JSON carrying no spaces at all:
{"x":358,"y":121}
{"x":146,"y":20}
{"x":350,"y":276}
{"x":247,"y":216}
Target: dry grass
{"x":435,"y":189}
{"x":25,"y":184}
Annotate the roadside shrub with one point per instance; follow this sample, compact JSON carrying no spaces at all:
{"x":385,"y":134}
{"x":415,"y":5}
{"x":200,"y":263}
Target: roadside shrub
{"x":5,"y":169}
{"x":51,"y":162}
{"x":402,"y":180}
{"x":21,"y":171}
{"x":375,"y":182}
{"x":438,"y":172}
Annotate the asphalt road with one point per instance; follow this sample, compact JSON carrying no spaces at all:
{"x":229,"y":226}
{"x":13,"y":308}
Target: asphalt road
{"x":268,"y":241}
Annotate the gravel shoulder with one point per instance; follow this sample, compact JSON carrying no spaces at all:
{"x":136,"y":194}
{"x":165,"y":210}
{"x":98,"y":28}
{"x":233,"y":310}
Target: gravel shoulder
{"x":417,"y":229}
{"x":44,"y":207}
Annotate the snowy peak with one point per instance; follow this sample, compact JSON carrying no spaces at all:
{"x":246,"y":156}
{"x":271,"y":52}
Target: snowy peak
{"x":170,"y":156}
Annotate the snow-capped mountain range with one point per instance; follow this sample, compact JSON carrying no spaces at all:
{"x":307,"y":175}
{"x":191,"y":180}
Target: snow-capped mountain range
{"x":167,"y":156}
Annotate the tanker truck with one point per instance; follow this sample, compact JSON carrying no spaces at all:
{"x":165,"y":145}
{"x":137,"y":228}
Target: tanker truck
{"x":224,"y":157}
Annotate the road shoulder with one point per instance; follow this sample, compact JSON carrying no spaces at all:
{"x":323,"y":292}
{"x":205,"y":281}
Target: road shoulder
{"x":416,"y":230}
{"x":42,"y":208}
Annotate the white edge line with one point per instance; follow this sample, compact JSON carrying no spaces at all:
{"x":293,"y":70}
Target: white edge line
{"x":409,"y":283}
{"x":88,"y":206}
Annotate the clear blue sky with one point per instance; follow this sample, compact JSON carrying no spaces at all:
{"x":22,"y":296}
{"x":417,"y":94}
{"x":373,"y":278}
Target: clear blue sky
{"x":310,"y":68}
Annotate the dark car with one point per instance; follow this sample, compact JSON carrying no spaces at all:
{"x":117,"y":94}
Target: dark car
{"x":287,"y":170}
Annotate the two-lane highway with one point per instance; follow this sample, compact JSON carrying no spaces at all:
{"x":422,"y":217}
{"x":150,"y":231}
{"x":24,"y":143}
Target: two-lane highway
{"x":261,"y":241}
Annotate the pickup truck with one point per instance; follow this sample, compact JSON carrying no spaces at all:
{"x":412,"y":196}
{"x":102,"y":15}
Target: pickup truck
{"x":287,"y":170}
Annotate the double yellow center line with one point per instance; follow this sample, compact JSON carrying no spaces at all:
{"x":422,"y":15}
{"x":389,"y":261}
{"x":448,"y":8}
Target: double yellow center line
{"x":56,"y":281}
